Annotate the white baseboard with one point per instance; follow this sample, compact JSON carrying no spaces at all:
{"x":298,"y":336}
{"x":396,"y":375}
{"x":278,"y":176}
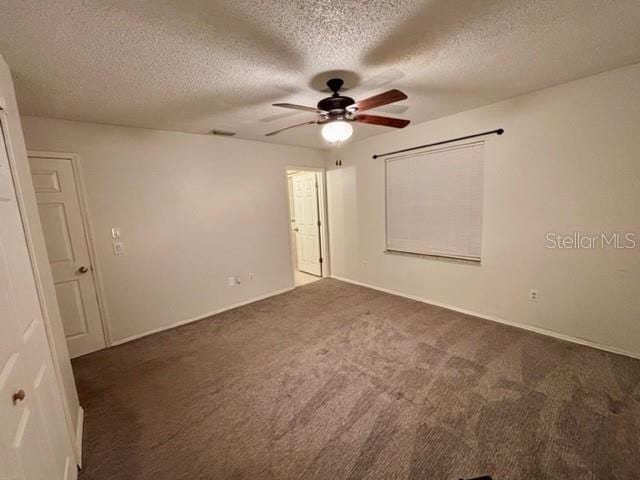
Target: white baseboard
{"x":531,"y":328}
{"x":79,"y":433}
{"x":200,"y":317}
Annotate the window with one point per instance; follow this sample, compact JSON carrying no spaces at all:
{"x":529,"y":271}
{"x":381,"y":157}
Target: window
{"x":434,"y":202}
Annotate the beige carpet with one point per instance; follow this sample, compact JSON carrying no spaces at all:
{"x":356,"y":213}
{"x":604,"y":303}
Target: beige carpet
{"x":336,"y":381}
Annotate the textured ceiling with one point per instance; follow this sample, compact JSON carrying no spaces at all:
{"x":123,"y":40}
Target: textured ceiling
{"x":196,"y":65}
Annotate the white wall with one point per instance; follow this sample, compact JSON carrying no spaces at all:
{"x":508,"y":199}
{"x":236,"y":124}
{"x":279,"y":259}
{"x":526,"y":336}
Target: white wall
{"x":37,"y":252}
{"x":193,"y":210}
{"x":569,"y":161}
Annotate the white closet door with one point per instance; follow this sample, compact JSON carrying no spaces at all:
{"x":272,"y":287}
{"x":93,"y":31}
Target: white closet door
{"x":34,"y":440}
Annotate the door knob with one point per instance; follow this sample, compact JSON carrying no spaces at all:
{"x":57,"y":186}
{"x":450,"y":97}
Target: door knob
{"x":18,"y":396}
{"x":296,"y":229}
{"x":83,"y":269}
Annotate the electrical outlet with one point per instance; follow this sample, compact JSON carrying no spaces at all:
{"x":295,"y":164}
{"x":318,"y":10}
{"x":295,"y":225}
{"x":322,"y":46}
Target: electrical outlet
{"x":533,"y":295}
{"x":233,"y":281}
{"x":252,"y":276}
{"x":118,"y":248}
{"x":115,"y":233}
{"x":365,"y":264}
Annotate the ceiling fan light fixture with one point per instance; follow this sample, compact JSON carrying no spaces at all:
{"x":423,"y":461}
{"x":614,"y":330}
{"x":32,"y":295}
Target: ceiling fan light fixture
{"x":338,"y":111}
{"x":337,"y":131}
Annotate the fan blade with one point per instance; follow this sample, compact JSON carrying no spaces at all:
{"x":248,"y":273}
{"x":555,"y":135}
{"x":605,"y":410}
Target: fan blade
{"x":298,"y":107}
{"x":312,"y":122}
{"x":384,"y":121}
{"x":376,"y":101}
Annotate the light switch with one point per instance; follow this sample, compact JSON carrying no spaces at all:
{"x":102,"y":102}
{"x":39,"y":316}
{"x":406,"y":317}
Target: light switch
{"x":118,"y":248}
{"x":115,"y":233}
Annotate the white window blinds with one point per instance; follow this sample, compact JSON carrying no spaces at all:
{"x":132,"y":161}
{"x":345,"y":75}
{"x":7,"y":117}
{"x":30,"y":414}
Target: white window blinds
{"x":434,"y":201}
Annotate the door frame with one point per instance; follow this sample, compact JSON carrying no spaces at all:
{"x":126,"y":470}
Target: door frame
{"x":78,"y":178}
{"x":324,"y":224}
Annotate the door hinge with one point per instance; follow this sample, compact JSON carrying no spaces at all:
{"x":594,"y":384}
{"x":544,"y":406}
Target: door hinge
{"x":320,"y":259}
{"x":319,"y":223}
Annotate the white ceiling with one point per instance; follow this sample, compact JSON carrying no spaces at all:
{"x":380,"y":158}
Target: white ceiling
{"x":195,"y":65}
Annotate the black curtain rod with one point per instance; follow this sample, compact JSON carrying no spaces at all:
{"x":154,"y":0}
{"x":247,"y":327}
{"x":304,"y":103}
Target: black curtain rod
{"x":499,"y":131}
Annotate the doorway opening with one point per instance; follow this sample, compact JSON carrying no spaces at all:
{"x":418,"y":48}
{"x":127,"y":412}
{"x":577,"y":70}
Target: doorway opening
{"x":307,"y":221}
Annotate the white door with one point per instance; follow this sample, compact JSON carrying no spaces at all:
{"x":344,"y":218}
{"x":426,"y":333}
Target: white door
{"x":54,"y":180}
{"x":307,"y":225}
{"x":34,"y":439}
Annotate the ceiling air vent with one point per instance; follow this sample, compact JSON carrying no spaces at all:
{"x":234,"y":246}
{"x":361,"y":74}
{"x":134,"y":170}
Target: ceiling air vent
{"x":223,"y":133}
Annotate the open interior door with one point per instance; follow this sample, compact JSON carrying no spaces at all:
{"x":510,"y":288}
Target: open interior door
{"x":307,"y":224}
{"x":34,"y":441}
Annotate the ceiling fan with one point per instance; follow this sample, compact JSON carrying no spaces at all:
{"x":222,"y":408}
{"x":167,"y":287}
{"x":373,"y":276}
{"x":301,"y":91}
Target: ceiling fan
{"x":338,"y":111}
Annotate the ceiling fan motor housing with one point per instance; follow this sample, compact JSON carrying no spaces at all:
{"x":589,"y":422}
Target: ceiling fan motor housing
{"x":336,"y":104}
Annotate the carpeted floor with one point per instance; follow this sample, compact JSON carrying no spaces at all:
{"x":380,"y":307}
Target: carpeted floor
{"x":336,"y":381}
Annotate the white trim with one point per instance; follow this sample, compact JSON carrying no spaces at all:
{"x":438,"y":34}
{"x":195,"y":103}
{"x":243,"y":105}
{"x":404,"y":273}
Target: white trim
{"x":531,"y":328}
{"x":200,"y":317}
{"x":68,"y":469}
{"x":79,"y":431}
{"x":78,"y":177}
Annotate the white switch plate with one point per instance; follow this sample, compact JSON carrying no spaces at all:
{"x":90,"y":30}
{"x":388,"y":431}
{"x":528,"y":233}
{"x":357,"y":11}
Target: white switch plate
{"x":118,"y":248}
{"x":115,"y":233}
